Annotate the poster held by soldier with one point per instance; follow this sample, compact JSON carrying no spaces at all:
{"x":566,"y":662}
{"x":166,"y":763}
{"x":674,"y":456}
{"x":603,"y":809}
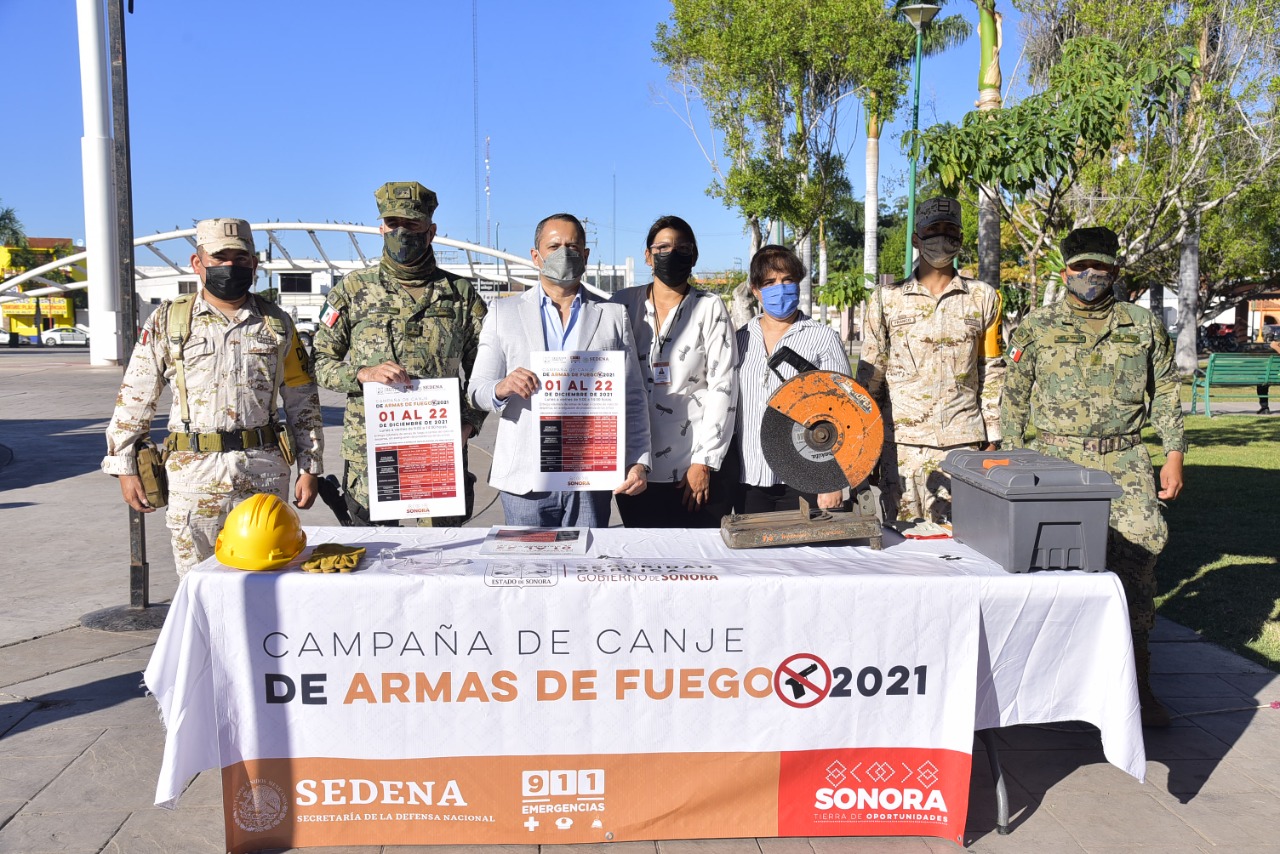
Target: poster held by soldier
{"x":415,"y":449}
{"x":580,"y":408}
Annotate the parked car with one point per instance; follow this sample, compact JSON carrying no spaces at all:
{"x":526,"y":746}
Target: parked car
{"x":1270,"y":332}
{"x":60,"y":335}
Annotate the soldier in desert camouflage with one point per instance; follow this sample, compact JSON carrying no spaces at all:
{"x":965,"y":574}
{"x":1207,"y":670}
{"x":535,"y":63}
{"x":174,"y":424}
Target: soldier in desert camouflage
{"x":1084,"y":372}
{"x":932,"y":359}
{"x":400,"y":319}
{"x":236,"y":350}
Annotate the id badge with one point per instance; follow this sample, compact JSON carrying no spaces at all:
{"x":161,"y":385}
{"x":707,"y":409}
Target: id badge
{"x":662,"y":373}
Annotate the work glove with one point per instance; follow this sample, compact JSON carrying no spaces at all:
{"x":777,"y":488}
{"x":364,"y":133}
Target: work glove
{"x":333,"y":557}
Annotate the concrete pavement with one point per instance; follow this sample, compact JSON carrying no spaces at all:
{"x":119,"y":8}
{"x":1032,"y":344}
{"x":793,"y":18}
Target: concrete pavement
{"x":80,"y":741}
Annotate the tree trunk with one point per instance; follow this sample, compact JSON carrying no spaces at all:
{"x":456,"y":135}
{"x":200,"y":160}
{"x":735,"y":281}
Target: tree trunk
{"x":1034,"y":268}
{"x":742,"y":305}
{"x":1155,"y":299}
{"x":989,"y":100}
{"x":988,"y":238}
{"x":1189,"y":298}
{"x":822,"y":266}
{"x":871,"y":207}
{"x":804,"y":248}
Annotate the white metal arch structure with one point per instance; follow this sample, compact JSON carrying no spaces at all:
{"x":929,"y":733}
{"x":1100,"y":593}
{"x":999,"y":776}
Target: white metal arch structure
{"x":518,"y":271}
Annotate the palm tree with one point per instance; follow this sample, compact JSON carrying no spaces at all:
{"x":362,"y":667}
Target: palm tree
{"x":989,"y":100}
{"x":940,"y":35}
{"x":11,"y":232}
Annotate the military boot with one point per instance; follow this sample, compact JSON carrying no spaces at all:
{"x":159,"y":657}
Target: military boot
{"x":1154,"y":714}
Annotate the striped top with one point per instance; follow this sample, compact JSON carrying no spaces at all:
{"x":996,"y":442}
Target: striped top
{"x":814,"y":341}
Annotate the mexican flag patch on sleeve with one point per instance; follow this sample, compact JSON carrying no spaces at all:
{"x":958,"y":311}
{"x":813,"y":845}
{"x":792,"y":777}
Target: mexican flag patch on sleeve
{"x":329,"y":316}
{"x":1015,"y":353}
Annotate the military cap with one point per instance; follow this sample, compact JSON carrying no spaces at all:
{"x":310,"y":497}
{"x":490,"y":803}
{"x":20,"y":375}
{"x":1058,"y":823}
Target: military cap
{"x":1091,"y":244}
{"x":214,"y":235}
{"x":940,"y":209}
{"x":407,"y":199}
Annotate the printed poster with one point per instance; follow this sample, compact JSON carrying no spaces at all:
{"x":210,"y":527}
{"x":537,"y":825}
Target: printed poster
{"x":415,"y":449}
{"x":581,"y":413}
{"x":507,"y":539}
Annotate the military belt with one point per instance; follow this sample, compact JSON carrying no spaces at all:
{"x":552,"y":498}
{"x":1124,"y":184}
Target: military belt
{"x":1095,"y":444}
{"x":232,"y":440}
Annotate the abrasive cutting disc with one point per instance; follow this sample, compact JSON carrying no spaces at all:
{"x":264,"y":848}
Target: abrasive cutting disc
{"x":821,"y":432}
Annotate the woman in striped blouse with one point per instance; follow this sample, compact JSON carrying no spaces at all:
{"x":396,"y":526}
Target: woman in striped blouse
{"x":775,"y":275}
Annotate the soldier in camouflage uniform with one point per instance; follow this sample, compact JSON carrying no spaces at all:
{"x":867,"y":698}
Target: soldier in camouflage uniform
{"x":1082,"y":372}
{"x":403,"y":318}
{"x":228,"y":449}
{"x":931,"y":357}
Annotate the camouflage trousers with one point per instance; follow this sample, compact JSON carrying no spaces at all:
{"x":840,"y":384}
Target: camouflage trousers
{"x":925,"y":489}
{"x":1136,"y":533}
{"x":195,"y":517}
{"x":355,"y":484}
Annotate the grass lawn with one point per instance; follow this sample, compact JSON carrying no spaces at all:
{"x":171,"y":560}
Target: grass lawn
{"x":1220,"y":573}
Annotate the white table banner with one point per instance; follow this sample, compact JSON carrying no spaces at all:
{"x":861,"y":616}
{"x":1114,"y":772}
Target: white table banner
{"x":608,"y":699}
{"x":656,"y":688}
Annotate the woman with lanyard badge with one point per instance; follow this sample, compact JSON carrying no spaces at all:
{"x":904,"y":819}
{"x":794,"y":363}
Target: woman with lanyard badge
{"x":686,"y":348}
{"x":775,"y":277}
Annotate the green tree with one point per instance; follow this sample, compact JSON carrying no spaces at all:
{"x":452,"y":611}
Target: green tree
{"x":1036,"y":154}
{"x":11,"y":231}
{"x":772,"y":75}
{"x":1164,"y":183}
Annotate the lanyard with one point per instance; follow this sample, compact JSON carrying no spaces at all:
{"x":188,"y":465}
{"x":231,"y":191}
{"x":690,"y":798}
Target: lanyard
{"x":673,"y":318}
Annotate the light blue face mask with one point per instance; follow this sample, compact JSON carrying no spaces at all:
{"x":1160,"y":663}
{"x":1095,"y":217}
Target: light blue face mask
{"x":780,"y":301}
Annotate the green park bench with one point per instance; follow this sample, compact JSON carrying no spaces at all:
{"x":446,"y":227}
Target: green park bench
{"x":1234,"y":371}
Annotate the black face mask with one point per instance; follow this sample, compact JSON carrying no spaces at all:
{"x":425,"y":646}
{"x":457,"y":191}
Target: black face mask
{"x":228,"y":283}
{"x":674,"y":268}
{"x":404,"y":246}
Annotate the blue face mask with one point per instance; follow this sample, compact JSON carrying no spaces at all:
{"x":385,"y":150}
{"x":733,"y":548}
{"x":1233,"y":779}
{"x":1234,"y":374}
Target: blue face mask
{"x":780,"y":301}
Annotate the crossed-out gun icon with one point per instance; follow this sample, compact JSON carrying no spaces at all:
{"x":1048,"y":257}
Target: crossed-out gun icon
{"x":797,"y":689}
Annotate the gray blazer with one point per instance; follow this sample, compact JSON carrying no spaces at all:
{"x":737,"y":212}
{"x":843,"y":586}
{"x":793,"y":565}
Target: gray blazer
{"x":512,"y":330}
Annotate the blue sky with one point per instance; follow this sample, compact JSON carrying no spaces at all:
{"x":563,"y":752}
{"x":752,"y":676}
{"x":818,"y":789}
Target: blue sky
{"x":295,"y":110}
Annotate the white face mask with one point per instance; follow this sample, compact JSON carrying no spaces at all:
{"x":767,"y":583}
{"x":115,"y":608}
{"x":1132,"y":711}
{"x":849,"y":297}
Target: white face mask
{"x":940,"y":250}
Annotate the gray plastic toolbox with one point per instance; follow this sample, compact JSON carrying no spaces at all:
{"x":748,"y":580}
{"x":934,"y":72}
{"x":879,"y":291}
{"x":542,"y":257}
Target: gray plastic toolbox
{"x":1028,"y":511}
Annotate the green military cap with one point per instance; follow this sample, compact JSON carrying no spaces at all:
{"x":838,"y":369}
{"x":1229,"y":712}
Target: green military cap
{"x":407,"y":199}
{"x":1091,"y":244}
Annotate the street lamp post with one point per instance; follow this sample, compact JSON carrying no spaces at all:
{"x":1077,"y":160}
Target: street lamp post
{"x":919,"y":15}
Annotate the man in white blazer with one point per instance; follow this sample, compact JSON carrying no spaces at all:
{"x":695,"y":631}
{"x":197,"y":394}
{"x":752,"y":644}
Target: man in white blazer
{"x":559,"y":314}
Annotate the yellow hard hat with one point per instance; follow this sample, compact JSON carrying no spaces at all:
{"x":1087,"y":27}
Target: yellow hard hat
{"x":261,"y":532}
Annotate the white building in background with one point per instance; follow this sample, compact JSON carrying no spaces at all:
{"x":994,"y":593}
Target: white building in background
{"x":1171,"y":310}
{"x":303,"y":282}
{"x":288,"y":264}
{"x":302,"y":292}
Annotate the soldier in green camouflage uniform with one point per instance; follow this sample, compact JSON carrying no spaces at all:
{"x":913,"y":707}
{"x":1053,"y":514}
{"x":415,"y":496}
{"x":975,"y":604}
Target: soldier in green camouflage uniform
{"x":1082,"y":372}
{"x":238,"y":349}
{"x":403,"y":318}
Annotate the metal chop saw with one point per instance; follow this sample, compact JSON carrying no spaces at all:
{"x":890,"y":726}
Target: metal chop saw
{"x":821,"y":432}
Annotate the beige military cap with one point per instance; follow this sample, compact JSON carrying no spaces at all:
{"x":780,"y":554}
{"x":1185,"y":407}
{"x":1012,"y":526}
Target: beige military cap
{"x":214,"y":235}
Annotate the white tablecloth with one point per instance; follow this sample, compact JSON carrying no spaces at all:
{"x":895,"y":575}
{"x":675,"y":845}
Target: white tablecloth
{"x":1053,"y":646}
